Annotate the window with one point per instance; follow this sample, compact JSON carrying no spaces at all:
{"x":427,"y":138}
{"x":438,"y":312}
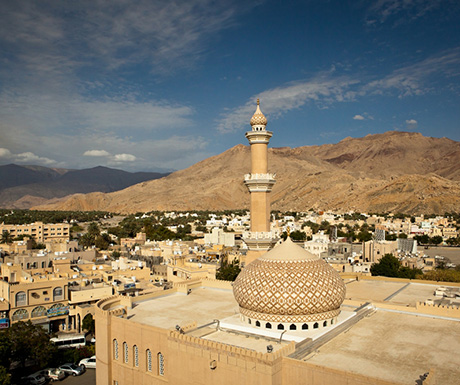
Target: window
{"x":21,"y":298}
{"x":125,"y":352}
{"x":280,"y":327}
{"x":39,"y":311}
{"x":315,"y":326}
{"x":136,"y":356}
{"x":115,"y":349}
{"x":57,"y":294}
{"x":161,"y":364}
{"x":292,"y":327}
{"x":149,"y":360}
{"x":325,"y":323}
{"x":304,"y":327}
{"x":268,"y":325}
{"x":257,"y":323}
{"x":20,"y":314}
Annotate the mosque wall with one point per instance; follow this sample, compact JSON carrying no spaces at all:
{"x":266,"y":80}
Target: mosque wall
{"x":304,"y":373}
{"x":260,"y":211}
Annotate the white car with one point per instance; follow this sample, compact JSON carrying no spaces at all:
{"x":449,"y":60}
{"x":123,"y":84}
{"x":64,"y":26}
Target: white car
{"x":88,"y":362}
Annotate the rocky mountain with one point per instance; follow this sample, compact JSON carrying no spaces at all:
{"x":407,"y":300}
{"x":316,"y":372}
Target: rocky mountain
{"x":26,"y":186}
{"x":394,"y":171}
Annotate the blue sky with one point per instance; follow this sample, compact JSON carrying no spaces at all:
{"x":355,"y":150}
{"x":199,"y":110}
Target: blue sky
{"x":147,"y":85}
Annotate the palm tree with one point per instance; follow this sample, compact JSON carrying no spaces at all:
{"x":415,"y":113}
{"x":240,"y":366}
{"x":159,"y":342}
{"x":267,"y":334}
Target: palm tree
{"x":6,"y":237}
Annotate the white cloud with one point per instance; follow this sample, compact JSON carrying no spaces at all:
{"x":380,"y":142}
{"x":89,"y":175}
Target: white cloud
{"x":29,"y":157}
{"x":358,"y":117}
{"x":411,"y":121}
{"x":417,"y":79}
{"x":124,"y":158}
{"x":96,"y":153}
{"x":5,"y":153}
{"x":322,"y":90}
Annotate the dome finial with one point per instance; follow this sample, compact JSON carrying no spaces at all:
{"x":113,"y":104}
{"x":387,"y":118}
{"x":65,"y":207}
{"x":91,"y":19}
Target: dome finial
{"x":258,"y":118}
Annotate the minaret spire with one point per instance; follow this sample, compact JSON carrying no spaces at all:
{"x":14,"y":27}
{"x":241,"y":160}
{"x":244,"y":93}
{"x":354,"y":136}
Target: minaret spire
{"x":259,"y":183}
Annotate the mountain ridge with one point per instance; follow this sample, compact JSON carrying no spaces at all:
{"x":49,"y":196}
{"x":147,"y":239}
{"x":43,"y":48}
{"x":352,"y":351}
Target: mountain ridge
{"x":394,"y":171}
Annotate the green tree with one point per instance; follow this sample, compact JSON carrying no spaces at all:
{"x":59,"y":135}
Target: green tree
{"x":229,"y":271}
{"x":388,"y":266}
{"x":6,"y":237}
{"x":5,"y":377}
{"x":29,"y":341}
{"x":5,"y":349}
{"x":437,"y":239}
{"x":88,"y":324}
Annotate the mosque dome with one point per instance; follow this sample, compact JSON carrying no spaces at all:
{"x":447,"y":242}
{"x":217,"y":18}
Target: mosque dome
{"x":258,"y":118}
{"x":289,"y":285}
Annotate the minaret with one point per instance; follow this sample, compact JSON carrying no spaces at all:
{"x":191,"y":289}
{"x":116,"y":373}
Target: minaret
{"x":259,"y":183}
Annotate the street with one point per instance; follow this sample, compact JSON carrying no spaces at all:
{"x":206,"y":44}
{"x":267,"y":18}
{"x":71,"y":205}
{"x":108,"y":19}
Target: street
{"x":87,"y":378}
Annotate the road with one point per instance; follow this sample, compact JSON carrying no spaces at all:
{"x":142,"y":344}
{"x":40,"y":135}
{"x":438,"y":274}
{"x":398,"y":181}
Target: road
{"x":87,"y":378}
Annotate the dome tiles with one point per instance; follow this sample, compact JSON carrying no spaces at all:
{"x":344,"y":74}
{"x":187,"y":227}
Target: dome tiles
{"x":289,"y":285}
{"x":258,"y":118}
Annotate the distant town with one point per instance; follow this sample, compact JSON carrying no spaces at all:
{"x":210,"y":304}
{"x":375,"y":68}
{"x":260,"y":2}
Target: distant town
{"x":82,"y":259}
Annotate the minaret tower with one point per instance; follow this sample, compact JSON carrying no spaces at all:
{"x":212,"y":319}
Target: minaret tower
{"x":259,"y":183}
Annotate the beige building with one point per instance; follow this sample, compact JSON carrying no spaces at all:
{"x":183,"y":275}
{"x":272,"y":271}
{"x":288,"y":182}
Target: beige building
{"x":41,"y":232}
{"x":288,"y":319}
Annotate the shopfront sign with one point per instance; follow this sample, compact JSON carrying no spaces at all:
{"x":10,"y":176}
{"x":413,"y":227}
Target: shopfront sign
{"x":4,"y":323}
{"x":56,"y":311}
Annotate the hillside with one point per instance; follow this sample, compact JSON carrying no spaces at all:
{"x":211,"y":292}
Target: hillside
{"x":395,"y":171}
{"x":26,"y":186}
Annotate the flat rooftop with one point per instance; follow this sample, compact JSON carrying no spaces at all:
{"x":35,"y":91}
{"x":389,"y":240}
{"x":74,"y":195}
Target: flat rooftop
{"x":390,"y":345}
{"x":395,"y":347}
{"x":400,"y":293}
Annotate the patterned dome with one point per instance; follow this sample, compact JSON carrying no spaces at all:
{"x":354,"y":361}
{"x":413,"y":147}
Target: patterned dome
{"x":258,"y":118}
{"x":289,"y":284}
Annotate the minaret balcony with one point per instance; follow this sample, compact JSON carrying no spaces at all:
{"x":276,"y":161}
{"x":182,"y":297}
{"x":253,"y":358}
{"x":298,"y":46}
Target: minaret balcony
{"x":259,"y":136}
{"x":259,"y":182}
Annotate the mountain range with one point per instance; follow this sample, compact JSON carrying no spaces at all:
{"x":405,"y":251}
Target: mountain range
{"x":391,"y":172}
{"x":25,"y":186}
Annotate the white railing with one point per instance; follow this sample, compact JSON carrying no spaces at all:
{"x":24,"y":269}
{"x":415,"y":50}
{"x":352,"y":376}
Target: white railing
{"x":259,"y":176}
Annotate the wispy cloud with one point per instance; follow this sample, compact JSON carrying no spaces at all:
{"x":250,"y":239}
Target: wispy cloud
{"x":96,"y":153}
{"x":401,"y":10}
{"x":322,"y":90}
{"x":416,"y":79}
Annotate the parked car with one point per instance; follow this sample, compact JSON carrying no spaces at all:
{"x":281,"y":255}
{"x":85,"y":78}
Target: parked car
{"x":54,"y":374}
{"x":88,"y":362}
{"x":72,"y":369}
{"x":34,"y":379}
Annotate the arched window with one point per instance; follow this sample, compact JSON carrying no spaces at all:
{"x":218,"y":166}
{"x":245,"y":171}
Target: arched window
{"x":115,"y":349}
{"x":268,"y":325}
{"x":43,"y":264}
{"x":136,"y":356}
{"x":292,"y":327}
{"x":21,"y":298}
{"x":249,"y":321}
{"x":20,"y":315}
{"x":161,"y":364}
{"x":315,"y":326}
{"x":280,"y":327}
{"x":39,"y":311}
{"x":325,"y":323}
{"x":125,"y":352}
{"x":149,"y":360}
{"x":257,"y":323}
{"x":304,"y":327}
{"x":57,"y":294}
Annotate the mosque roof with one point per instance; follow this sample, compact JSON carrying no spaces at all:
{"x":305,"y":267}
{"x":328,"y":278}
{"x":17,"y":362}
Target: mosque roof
{"x":288,"y":282}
